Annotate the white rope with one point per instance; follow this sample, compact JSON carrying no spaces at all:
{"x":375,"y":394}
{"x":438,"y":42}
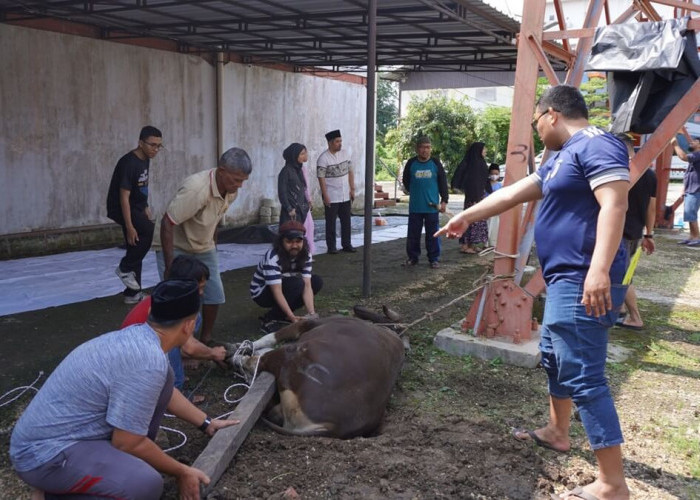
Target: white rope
{"x":497,"y":254}
{"x":184,"y":438}
{"x":246,"y":348}
{"x":23,"y":388}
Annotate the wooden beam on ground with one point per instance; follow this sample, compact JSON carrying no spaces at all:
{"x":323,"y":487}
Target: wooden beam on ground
{"x":217,"y":456}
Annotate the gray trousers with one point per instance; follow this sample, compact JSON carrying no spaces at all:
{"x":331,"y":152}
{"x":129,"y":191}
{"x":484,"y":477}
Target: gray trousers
{"x":97,"y":470}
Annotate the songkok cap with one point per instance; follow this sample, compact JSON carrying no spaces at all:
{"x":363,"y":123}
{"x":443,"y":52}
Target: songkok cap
{"x":332,"y":135}
{"x":172,"y":300}
{"x":292,"y":229}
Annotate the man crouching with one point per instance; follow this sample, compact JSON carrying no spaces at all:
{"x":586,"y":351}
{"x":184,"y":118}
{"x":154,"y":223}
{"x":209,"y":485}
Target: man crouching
{"x":90,"y":429}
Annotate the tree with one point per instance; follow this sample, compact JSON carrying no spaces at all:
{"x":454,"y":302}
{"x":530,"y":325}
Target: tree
{"x":595,"y":93}
{"x":493,"y":127}
{"x":387,"y":107}
{"x":450,"y":124}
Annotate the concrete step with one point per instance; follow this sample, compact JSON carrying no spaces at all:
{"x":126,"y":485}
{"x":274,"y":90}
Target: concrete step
{"x":384,"y":203}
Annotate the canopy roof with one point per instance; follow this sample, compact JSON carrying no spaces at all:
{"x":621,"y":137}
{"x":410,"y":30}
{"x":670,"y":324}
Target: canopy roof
{"x":417,"y":35}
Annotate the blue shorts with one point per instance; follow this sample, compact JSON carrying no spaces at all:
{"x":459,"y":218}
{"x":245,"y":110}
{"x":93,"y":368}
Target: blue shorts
{"x":691,"y":205}
{"x":574,"y":349}
{"x":214,"y":289}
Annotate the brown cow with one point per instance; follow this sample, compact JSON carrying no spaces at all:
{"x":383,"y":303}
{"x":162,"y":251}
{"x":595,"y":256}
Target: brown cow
{"x":334,"y":381}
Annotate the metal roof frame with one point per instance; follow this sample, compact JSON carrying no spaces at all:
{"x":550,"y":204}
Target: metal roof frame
{"x":418,"y":35}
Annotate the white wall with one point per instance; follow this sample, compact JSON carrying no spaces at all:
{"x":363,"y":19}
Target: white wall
{"x":267,"y":110}
{"x":70,"y":107}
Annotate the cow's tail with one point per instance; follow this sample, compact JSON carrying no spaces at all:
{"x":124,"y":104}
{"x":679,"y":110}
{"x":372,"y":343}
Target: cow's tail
{"x":288,"y":432}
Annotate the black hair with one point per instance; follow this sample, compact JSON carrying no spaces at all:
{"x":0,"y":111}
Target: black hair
{"x":149,"y":131}
{"x":186,"y":267}
{"x":565,"y":99}
{"x":423,"y":139}
{"x":283,"y":257}
{"x":493,"y":166}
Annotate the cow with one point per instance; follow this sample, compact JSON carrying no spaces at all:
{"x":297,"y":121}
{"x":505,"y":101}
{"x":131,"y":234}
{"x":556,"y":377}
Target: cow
{"x":334,"y":381}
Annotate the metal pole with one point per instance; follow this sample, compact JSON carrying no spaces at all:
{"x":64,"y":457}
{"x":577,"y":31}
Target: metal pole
{"x":369,"y":144}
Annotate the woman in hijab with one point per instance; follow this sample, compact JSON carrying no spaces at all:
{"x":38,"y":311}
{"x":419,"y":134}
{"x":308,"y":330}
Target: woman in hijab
{"x":291,"y":185}
{"x":472,"y":178}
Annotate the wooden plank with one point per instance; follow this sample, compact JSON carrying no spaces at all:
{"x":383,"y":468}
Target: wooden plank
{"x":222,"y":447}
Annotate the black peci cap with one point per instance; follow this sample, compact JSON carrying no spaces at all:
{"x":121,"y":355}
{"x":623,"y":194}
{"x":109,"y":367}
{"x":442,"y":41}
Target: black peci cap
{"x":172,"y":300}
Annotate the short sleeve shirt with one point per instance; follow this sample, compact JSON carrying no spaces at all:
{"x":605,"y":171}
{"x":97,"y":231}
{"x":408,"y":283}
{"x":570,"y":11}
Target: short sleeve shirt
{"x":566,"y":227}
{"x":425,"y":195}
{"x":334,"y":168}
{"x":131,"y":174}
{"x":111,"y":382}
{"x":195,"y":211}
{"x":269,"y":272}
{"x":637,"y":204}
{"x":691,"y":179}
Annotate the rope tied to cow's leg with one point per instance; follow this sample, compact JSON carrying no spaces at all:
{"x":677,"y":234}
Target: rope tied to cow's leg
{"x":246,"y":349}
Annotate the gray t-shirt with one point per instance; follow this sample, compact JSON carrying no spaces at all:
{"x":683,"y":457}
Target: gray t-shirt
{"x":112,"y":381}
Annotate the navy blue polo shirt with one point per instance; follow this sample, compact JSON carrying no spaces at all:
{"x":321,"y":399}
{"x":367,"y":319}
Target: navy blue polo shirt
{"x":566,"y":227}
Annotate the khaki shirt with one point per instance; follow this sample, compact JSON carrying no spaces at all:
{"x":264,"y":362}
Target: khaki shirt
{"x":195,"y":211}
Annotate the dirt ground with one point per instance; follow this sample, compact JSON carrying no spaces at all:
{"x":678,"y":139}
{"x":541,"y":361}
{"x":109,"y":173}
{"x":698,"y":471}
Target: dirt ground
{"x":447,"y":428}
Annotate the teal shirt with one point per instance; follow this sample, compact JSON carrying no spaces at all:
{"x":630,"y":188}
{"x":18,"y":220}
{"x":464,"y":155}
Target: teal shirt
{"x":425,"y":195}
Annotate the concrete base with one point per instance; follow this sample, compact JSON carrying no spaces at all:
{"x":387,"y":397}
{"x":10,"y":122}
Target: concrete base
{"x":527,"y":355}
{"x":453,"y":341}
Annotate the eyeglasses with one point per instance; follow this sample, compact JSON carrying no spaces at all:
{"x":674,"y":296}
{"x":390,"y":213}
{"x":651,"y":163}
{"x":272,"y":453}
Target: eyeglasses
{"x":534,"y":122}
{"x":154,"y":145}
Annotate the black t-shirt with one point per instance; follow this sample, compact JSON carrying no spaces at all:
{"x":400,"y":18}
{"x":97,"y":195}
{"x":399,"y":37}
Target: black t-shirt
{"x":131,"y":173}
{"x":637,"y":204}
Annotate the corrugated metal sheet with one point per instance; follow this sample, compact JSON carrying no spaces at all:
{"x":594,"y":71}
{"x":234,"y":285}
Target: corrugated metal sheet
{"x":420,"y":35}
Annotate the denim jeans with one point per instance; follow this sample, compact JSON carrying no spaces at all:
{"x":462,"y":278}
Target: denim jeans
{"x":574,"y":349}
{"x":432,"y":244}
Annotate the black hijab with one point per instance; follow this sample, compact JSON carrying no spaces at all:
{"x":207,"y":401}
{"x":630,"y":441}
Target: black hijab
{"x":291,"y":157}
{"x":472,"y":174}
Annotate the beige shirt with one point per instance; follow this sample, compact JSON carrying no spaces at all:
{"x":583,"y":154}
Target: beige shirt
{"x":195,"y":211}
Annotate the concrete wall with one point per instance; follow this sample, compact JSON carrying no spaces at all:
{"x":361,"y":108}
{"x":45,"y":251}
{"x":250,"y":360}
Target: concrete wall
{"x":71,"y":106}
{"x":267,"y":110}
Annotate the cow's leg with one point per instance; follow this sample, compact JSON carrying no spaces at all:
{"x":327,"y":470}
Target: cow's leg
{"x":295,"y":330}
{"x":296,"y":420}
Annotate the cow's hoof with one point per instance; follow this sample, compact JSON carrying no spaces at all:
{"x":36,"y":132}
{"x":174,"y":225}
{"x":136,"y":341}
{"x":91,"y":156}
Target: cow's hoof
{"x":391,"y":314}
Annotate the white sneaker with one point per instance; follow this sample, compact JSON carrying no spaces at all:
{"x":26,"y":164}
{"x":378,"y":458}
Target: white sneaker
{"x":134,"y":299}
{"x":129,"y":279}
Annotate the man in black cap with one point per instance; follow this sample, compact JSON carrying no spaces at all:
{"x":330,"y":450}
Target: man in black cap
{"x":283,"y":279}
{"x":90,"y":429}
{"x":335,"y":175}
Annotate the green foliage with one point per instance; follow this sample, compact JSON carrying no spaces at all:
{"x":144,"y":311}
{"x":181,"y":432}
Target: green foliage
{"x":492,"y":129}
{"x":595,"y":92}
{"x":450,"y":124}
{"x":387,"y":107}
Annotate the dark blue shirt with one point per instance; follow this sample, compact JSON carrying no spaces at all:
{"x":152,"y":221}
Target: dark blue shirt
{"x":691,"y":179}
{"x":566,"y":227}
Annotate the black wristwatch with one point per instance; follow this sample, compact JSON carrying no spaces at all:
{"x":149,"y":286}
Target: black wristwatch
{"x":648,"y":235}
{"x":205,"y":424}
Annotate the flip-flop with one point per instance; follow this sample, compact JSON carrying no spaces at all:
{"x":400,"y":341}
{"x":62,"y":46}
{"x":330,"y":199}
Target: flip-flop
{"x":577,"y":492}
{"x":469,"y":251}
{"x":535,"y":439}
{"x":630,"y":327}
